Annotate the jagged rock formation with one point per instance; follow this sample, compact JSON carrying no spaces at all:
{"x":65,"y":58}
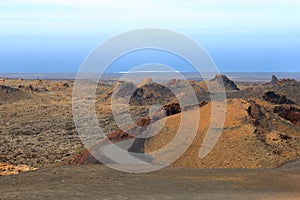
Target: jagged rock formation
{"x":288,"y":87}
{"x":228,"y":84}
{"x":271,"y":128}
{"x":289,"y":113}
{"x":274,"y":80}
{"x":275,"y":98}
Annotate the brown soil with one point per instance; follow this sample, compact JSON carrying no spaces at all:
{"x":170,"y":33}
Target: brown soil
{"x":241,"y":145}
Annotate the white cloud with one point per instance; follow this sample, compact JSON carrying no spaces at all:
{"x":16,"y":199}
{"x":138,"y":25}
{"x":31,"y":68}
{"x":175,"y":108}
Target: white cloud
{"x":151,"y":3}
{"x":174,"y":14}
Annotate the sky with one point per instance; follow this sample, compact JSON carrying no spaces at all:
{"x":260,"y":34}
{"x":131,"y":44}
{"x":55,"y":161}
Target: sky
{"x":39,"y":36}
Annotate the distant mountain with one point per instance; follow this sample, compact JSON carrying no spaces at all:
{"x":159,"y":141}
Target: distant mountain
{"x":228,"y":84}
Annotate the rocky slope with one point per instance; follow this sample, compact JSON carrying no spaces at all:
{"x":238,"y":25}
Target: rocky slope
{"x":9,"y":94}
{"x":253,"y":137}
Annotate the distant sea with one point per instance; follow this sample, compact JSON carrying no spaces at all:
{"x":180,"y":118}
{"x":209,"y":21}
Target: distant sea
{"x":235,"y":76}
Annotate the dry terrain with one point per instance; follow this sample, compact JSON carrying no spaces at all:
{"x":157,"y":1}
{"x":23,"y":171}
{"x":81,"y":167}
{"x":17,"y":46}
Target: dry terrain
{"x":261,"y":133}
{"x":100,"y":182}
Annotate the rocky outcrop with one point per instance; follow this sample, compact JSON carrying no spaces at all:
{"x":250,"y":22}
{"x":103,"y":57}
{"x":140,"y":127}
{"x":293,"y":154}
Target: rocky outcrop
{"x":288,"y":87}
{"x":275,"y":98}
{"x":257,"y":116}
{"x":277,"y":135}
{"x":287,"y":81}
{"x":228,"y":84}
{"x":10,"y":94}
{"x":289,"y":113}
{"x":274,"y":80}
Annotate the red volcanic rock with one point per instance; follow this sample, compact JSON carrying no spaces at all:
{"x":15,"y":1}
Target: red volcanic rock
{"x":144,"y":122}
{"x":8,"y":169}
{"x":289,"y":113}
{"x":172,"y":109}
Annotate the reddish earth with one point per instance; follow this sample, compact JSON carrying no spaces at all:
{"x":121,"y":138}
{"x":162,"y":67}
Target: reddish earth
{"x":8,"y":169}
{"x":289,"y":113}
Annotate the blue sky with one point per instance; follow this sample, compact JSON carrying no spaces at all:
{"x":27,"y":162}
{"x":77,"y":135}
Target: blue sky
{"x":56,"y":36}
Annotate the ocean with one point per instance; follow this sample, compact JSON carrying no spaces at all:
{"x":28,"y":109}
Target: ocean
{"x":235,"y":76}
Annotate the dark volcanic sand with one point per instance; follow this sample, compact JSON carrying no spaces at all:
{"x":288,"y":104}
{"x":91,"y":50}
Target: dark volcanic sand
{"x":100,"y":182}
